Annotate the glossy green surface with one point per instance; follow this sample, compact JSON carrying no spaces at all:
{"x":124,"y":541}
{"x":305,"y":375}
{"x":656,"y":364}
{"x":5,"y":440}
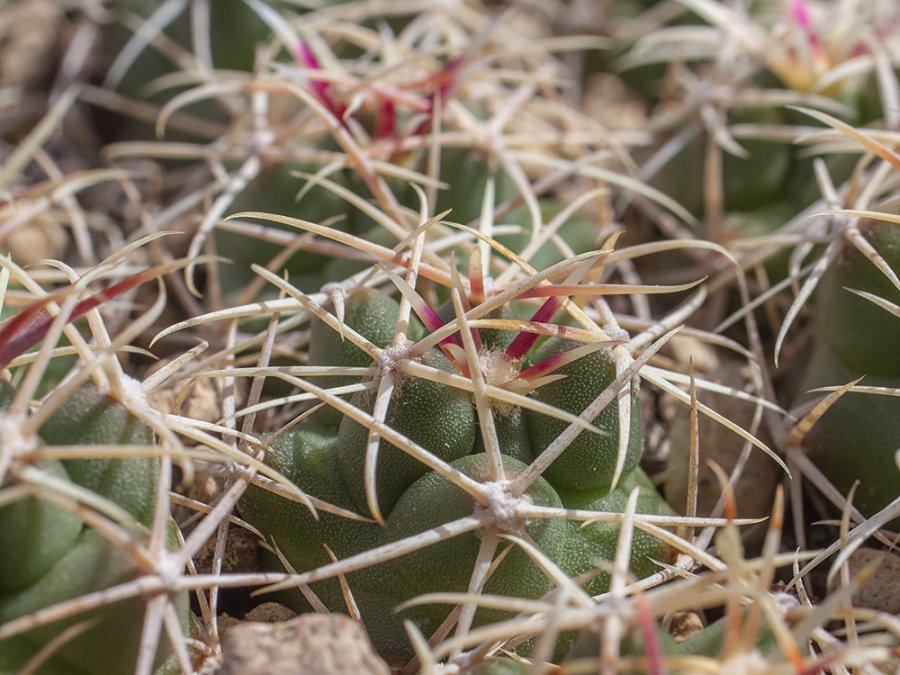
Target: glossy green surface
{"x":589,"y":462}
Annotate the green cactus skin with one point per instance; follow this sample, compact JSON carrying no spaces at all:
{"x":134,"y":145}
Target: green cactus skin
{"x":370,"y":313}
{"x":748,"y":183}
{"x":16,"y":652}
{"x":91,"y":417}
{"x":80,"y":561}
{"x":708,"y":642}
{"x":34,"y":534}
{"x":509,"y":421}
{"x":862,"y":335}
{"x":308,"y":456}
{"x":856,"y":440}
{"x":235,"y":30}
{"x":276,"y":189}
{"x":578,"y":232}
{"x":597,"y":541}
{"x":7,"y":394}
{"x":512,"y":435}
{"x":111,"y":644}
{"x":466,"y":173}
{"x":437,"y":417}
{"x":589,"y":462}
{"x":857,"y":437}
{"x":433,"y":500}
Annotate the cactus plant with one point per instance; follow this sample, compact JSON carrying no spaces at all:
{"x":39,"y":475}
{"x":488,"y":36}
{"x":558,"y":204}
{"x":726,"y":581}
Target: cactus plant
{"x":441,"y":420}
{"x":53,"y":556}
{"x":61,"y":549}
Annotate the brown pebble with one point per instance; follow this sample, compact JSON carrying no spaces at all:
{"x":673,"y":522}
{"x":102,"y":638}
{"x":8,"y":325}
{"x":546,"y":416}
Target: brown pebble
{"x":881,"y":591}
{"x":270,"y":612}
{"x":241,"y":553}
{"x":684,"y":625}
{"x":226,"y":622}
{"x":311,"y":644}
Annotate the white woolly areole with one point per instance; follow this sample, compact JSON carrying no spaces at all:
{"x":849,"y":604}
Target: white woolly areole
{"x":14,"y":443}
{"x":616,"y":332}
{"x":133,"y":395}
{"x":504,"y":508}
{"x":389,"y":356}
{"x":748,"y":663}
{"x":785,"y":601}
{"x":169,"y":571}
{"x":497,"y":367}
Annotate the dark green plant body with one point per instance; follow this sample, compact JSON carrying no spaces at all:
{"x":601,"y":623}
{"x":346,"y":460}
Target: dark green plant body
{"x":276,"y":190}
{"x":862,"y":335}
{"x":707,"y":643}
{"x":34,"y":533}
{"x":758,"y":179}
{"x":90,"y":417}
{"x":370,"y":313}
{"x":432,"y":501}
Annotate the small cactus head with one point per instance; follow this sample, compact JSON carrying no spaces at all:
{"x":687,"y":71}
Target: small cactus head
{"x":71,"y":530}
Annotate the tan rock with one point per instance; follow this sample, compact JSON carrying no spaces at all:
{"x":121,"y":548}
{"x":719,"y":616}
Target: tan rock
{"x":311,"y":644}
{"x":881,"y":591}
{"x":685,"y":625}
{"x":29,"y":31}
{"x":270,"y":612}
{"x":39,"y":238}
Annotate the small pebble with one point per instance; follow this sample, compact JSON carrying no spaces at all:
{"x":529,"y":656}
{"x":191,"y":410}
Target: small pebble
{"x":311,"y":644}
{"x":684,"y":625}
{"x":270,"y":612}
{"x":881,"y":591}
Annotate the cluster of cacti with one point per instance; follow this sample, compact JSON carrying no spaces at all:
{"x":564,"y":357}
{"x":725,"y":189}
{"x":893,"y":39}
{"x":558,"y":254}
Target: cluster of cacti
{"x":759,"y":181}
{"x":732,"y":115}
{"x":440,"y":306}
